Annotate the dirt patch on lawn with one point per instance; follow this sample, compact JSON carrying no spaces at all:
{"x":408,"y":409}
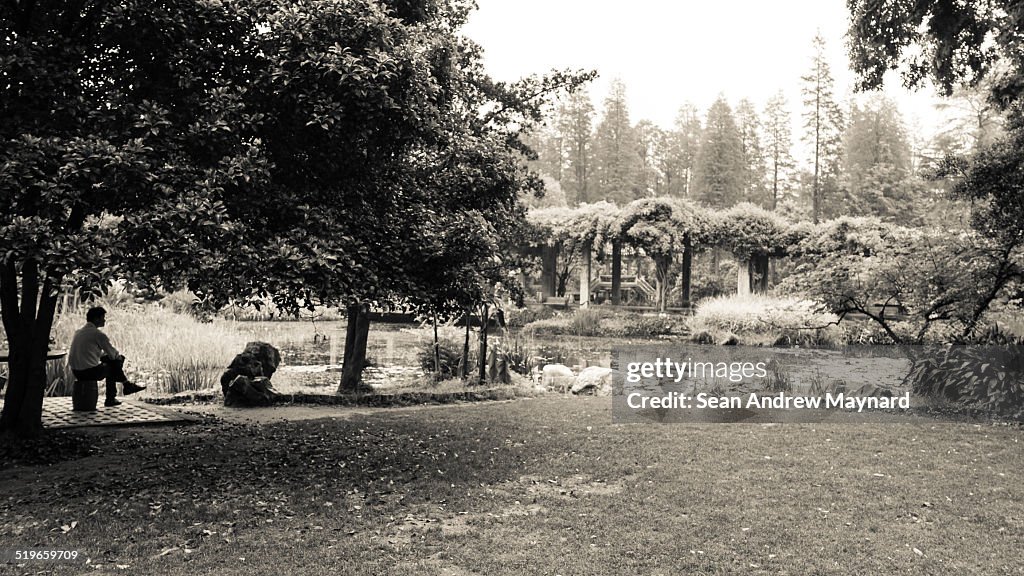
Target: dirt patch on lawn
{"x":405,"y":531}
{"x":569,"y":487}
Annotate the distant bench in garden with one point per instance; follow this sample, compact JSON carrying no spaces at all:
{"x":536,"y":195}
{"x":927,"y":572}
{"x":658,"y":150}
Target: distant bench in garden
{"x":887,"y":311}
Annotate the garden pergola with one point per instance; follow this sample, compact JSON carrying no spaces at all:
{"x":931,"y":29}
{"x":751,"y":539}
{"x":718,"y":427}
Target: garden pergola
{"x":664,"y":229}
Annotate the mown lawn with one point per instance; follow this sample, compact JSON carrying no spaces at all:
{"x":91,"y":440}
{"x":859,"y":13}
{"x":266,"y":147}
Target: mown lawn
{"x":539,"y":486}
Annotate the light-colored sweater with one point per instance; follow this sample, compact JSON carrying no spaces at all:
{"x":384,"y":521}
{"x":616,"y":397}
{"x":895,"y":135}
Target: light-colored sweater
{"x":87,"y":346}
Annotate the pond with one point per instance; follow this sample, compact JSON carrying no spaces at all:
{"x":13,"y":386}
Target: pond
{"x":312,"y":357}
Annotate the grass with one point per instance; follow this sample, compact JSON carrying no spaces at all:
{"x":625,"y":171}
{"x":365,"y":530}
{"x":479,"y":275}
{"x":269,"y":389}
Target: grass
{"x":758,"y":319}
{"x":542,"y":486}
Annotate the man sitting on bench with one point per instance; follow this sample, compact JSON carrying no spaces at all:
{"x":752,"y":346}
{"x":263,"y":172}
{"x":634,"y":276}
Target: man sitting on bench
{"x":92,"y":358}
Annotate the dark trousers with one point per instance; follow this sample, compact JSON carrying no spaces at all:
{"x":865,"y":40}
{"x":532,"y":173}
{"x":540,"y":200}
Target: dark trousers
{"x":111,"y":370}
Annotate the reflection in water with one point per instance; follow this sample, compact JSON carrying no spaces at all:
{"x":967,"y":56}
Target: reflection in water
{"x":393,"y":352}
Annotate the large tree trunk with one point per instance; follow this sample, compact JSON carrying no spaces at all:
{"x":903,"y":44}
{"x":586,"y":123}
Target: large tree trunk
{"x":350,"y":334}
{"x":356,"y":336}
{"x":549,"y":272}
{"x":27,"y":321}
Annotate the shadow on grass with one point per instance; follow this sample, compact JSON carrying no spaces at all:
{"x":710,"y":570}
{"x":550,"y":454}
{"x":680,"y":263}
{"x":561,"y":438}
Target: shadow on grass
{"x":547,"y":485}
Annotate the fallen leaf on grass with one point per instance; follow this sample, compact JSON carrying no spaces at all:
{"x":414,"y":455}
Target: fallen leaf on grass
{"x":167,"y":551}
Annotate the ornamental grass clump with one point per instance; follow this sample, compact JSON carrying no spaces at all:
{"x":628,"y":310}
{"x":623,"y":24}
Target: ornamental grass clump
{"x":168,"y":351}
{"x":450,"y":347}
{"x":587,"y":322}
{"x":758,"y":319}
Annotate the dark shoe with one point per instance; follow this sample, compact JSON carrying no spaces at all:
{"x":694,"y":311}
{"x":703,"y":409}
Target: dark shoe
{"x":111,"y":403}
{"x":132,"y":388}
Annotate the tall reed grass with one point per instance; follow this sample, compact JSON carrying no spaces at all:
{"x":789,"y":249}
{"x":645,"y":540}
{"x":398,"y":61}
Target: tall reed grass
{"x":168,"y":351}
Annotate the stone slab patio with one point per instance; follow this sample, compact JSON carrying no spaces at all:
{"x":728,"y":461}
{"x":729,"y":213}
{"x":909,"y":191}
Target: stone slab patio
{"x":57,"y":413}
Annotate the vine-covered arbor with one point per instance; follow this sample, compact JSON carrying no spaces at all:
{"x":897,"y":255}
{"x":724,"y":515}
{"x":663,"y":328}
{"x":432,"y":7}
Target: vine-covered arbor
{"x":668,"y":231}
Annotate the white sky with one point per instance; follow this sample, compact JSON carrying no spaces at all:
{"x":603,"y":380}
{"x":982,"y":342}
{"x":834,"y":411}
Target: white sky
{"x":669,"y":52}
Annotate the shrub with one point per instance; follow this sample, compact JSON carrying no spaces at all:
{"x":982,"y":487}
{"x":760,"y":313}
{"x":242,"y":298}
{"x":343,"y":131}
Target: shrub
{"x":989,"y":378}
{"x":766,"y":320}
{"x":943,"y":280}
{"x":519,"y":317}
{"x":598,"y":321}
{"x":582,"y":322}
{"x":514,"y":349}
{"x":267,"y":311}
{"x":59,"y":379}
{"x":556,"y":326}
{"x":778,"y":380}
{"x":450,"y":357}
{"x":710,"y":281}
{"x":644,"y":325}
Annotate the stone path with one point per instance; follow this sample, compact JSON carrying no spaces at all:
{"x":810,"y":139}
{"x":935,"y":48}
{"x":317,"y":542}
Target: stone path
{"x":57,"y":413}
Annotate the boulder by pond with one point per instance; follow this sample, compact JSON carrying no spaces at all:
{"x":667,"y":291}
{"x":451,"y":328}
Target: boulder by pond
{"x":594,"y":380}
{"x":557,"y":376}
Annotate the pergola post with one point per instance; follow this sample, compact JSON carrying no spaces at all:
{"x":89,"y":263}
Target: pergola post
{"x":742,"y":276}
{"x":760,"y":268}
{"x":687,"y":269}
{"x":616,"y":272}
{"x":549,"y":271}
{"x":585,"y":277}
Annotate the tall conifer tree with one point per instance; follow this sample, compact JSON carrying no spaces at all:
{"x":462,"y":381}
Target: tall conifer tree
{"x":823,"y":124}
{"x":718,"y":173}
{"x":778,"y":146}
{"x":615,"y":151}
{"x":575,"y":127}
{"x":749,"y":126}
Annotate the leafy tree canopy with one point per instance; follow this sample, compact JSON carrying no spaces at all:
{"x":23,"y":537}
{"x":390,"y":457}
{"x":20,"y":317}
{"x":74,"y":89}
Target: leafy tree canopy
{"x":950,"y":43}
{"x":943,"y":281}
{"x":303,"y":150}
